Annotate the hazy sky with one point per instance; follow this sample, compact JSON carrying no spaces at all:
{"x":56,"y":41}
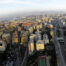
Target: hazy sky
{"x":10,"y":6}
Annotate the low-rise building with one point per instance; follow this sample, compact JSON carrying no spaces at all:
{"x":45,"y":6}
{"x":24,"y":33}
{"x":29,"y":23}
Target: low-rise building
{"x":31,"y":47}
{"x":40,"y":45}
{"x":3,"y":46}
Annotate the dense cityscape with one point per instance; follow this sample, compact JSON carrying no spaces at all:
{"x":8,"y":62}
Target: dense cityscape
{"x":37,"y":40}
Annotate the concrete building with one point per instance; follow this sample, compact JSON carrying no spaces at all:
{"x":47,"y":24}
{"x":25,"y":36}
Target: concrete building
{"x":45,"y":39}
{"x":3,"y":46}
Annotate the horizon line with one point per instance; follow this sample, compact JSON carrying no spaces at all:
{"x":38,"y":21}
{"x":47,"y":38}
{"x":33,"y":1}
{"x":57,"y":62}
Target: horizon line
{"x":23,"y":12}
